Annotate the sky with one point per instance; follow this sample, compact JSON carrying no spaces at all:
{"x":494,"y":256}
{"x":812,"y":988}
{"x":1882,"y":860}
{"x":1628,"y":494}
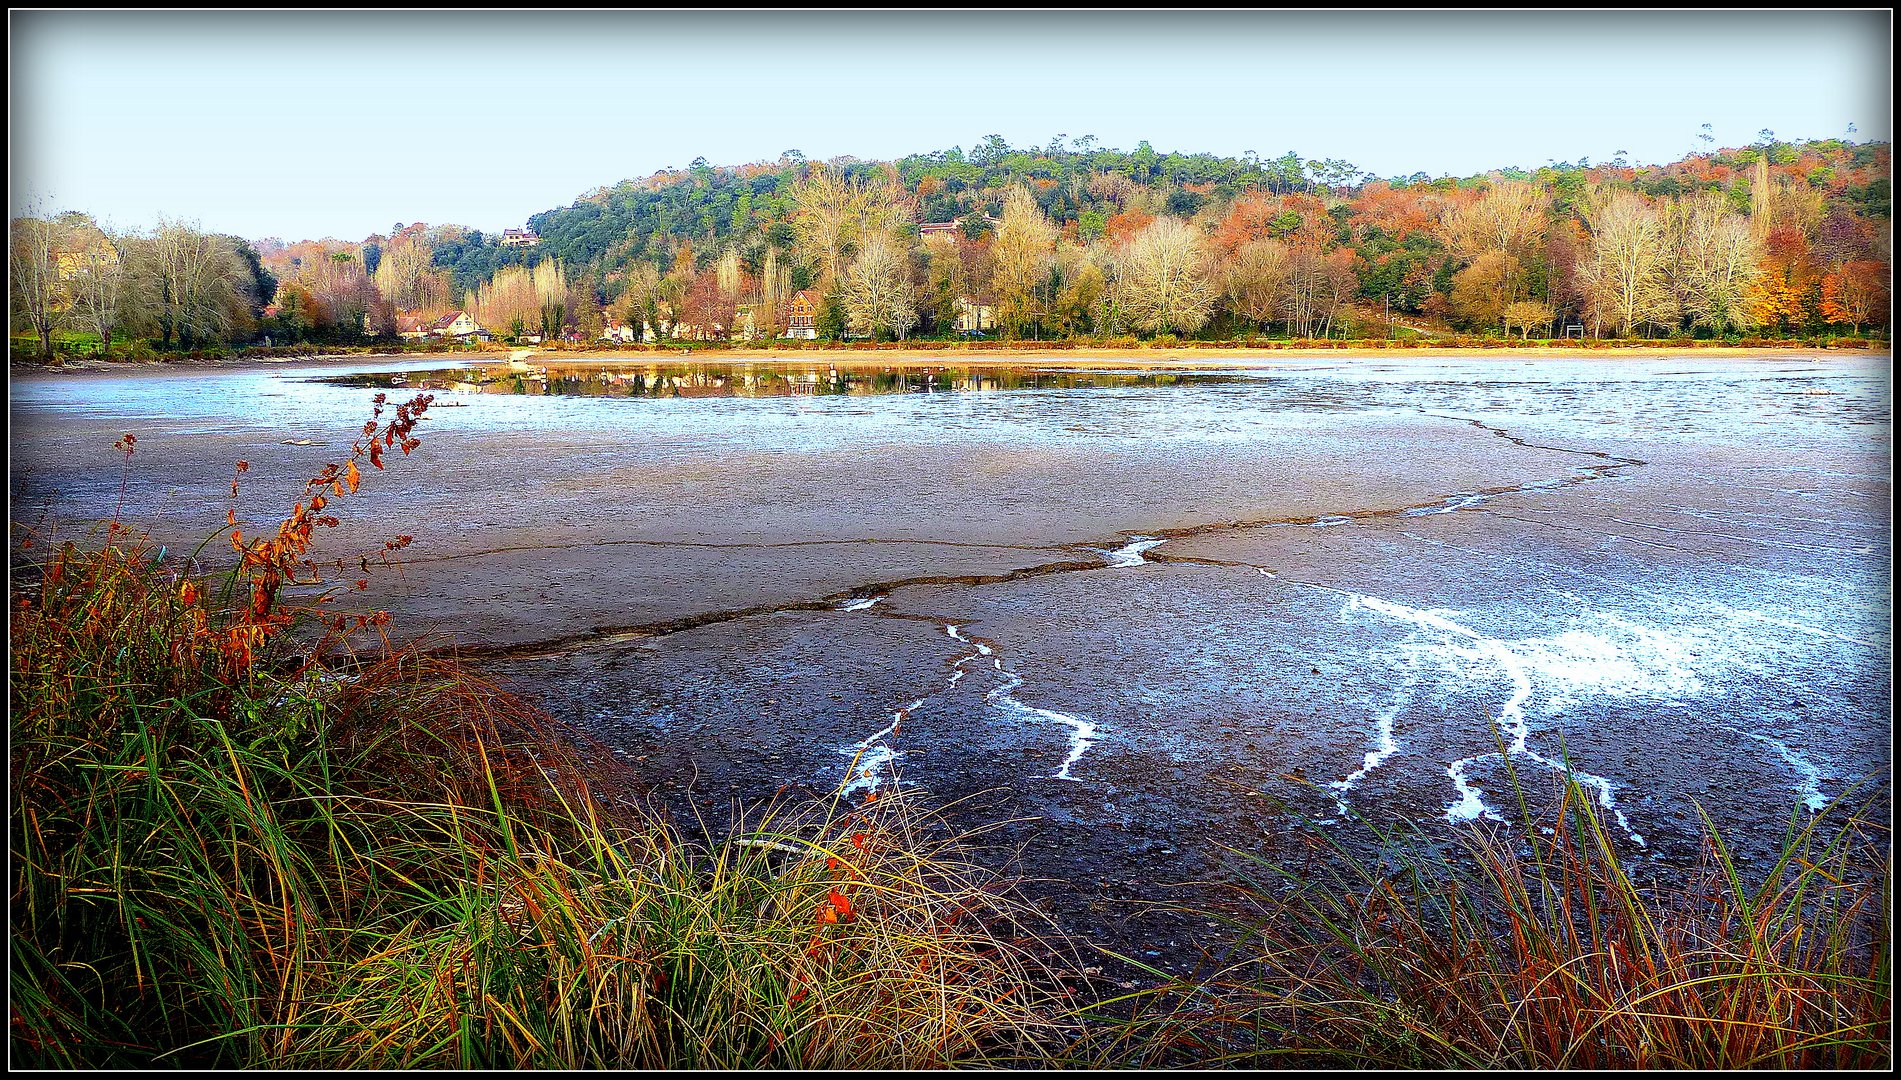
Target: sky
{"x":343,"y":124}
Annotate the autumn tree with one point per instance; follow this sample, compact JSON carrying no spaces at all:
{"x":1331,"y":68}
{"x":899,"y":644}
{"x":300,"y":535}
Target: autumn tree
{"x":1320,"y":279}
{"x":1624,"y":269}
{"x":877,"y":291}
{"x":1081,"y":289}
{"x":1526,"y":315}
{"x":1162,"y":279}
{"x":775,"y":292}
{"x":1339,"y":283}
{"x":706,"y":307}
{"x":1498,"y":234}
{"x":584,"y":310}
{"x":642,"y":301}
{"x":1023,"y":255}
{"x":944,"y":280}
{"x":1855,"y":294}
{"x":551,"y":296}
{"x":1787,"y":282}
{"x":343,"y":291}
{"x":508,"y":304}
{"x":1716,"y":264}
{"x":1482,"y":291}
{"x":1256,"y":280}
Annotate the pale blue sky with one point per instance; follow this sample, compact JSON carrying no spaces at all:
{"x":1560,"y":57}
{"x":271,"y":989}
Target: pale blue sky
{"x":341,"y":124}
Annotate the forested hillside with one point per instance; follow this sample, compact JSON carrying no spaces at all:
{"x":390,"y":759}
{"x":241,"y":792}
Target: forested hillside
{"x":1776,"y":238}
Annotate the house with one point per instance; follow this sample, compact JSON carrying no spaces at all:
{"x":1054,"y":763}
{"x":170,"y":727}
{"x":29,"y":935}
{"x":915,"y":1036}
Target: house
{"x":456,"y":324}
{"x":519,"y":238}
{"x":934,"y":228}
{"x":745,"y":326}
{"x":802,"y":318}
{"x":686,"y":331}
{"x":974,"y":318}
{"x":413,"y":326}
{"x":620,"y":332}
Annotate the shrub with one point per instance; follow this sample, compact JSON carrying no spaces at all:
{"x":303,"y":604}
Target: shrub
{"x":1538,"y":949}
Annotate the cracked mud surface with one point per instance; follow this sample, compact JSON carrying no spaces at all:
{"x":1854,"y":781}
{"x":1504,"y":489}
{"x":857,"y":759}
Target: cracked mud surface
{"x":1149,"y":627}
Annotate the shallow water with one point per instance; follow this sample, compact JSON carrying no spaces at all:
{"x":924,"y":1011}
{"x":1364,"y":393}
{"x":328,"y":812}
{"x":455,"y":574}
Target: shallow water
{"x":1156,"y":616}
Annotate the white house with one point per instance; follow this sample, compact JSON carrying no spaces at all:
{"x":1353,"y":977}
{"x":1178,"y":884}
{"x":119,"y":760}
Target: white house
{"x":456,"y":325}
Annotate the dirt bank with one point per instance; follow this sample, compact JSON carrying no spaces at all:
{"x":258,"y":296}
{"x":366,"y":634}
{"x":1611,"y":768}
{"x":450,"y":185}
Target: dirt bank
{"x":1182,"y":356}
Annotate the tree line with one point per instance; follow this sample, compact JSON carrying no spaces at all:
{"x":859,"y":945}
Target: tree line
{"x":1063,"y":240}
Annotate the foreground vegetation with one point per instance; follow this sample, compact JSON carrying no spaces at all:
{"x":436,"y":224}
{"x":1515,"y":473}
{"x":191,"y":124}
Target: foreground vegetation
{"x":1530,"y":948}
{"x":233,"y":848}
{"x":240,"y":838}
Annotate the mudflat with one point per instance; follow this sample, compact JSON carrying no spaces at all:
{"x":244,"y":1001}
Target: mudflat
{"x":1147,"y":624}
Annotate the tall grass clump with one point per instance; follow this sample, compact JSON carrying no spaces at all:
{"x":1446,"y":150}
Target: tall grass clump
{"x":235,"y":845}
{"x":1541,"y":948}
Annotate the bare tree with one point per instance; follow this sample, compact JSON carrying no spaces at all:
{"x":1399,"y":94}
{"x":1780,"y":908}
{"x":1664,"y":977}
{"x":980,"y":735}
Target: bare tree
{"x":1163,"y":277}
{"x":1717,"y":262}
{"x":877,"y":290}
{"x":832,"y":216}
{"x":1623,"y":272}
{"x":1508,"y":217}
{"x":407,"y":278}
{"x":197,"y":280}
{"x":106,"y":295}
{"x":35,"y":291}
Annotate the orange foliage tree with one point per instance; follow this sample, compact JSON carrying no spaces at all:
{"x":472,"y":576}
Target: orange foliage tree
{"x":1855,"y":294}
{"x":1788,"y":280}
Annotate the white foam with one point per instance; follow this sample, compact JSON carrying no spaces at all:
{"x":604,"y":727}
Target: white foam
{"x":871,"y":756}
{"x":1082,"y":730}
{"x":1808,"y":776}
{"x":1569,"y":662}
{"x":1626,"y":658}
{"x":1385,"y":735}
{"x":859,"y":603}
{"x":1130,"y":554}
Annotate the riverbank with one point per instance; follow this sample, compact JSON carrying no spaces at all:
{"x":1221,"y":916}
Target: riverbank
{"x":1000,"y":354}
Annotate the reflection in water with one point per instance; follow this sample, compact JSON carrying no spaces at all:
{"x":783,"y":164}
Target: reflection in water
{"x":749,"y":380}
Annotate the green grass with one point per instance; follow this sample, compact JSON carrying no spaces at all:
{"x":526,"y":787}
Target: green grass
{"x":1538,"y":948}
{"x":406,"y":865}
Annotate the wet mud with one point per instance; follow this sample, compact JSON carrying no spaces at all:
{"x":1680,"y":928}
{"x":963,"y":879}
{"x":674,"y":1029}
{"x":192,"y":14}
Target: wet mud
{"x":1154,"y":630}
